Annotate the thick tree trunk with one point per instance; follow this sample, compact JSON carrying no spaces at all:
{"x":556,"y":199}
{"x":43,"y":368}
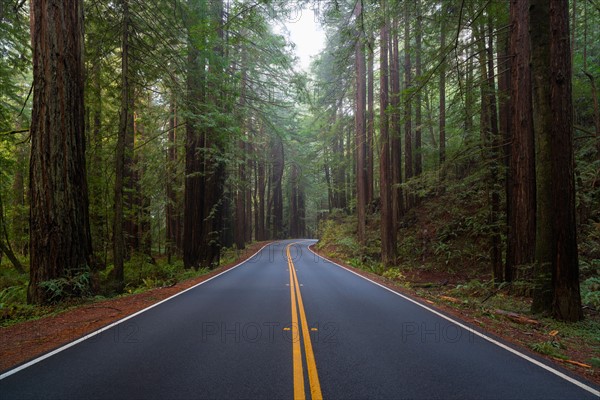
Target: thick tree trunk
{"x":442,"y":88}
{"x":370,"y":121}
{"x":557,"y":267}
{"x":395,"y":130}
{"x":261,"y":184}
{"x":240,"y":201}
{"x":249,"y":169}
{"x":173,"y":229}
{"x":540,"y":62}
{"x":360,"y":128}
{"x":388,"y":236}
{"x":293,"y":214}
{"x":504,"y":84}
{"x":277,"y":178}
{"x":195,"y":155}
{"x":59,"y":220}
{"x":408,"y":145}
{"x":520,"y":185}
{"x":494,"y":163}
{"x":596,"y":111}
{"x":418,"y":156}
{"x":122,"y":225}
{"x":98,"y":218}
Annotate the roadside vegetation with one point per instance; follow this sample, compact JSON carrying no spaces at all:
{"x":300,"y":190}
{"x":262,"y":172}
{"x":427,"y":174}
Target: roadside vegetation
{"x":142,"y":273}
{"x":443,"y":258}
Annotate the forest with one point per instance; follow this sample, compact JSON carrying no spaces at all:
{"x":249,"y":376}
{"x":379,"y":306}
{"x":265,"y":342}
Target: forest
{"x":142,"y":142}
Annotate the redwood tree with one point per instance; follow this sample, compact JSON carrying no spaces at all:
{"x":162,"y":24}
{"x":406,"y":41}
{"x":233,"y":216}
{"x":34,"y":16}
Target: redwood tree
{"x":557,"y":265}
{"x":360,"y":127}
{"x":388,"y":236}
{"x":60,"y":245}
{"x":521,"y":167}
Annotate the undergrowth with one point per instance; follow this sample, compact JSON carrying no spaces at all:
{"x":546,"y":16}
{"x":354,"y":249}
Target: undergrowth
{"x":443,"y":254}
{"x":142,"y":273}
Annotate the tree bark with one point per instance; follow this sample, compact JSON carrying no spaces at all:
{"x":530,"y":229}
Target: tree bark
{"x":370,"y":121}
{"x":520,"y":185}
{"x":173,"y":229}
{"x":494,"y":163}
{"x":418,"y":156}
{"x":360,"y":128}
{"x":59,"y":218}
{"x":123,"y":175}
{"x":277,"y":179}
{"x":388,"y":236}
{"x":557,"y":268}
{"x":194,"y":199}
{"x":442,"y":89}
{"x":408,"y":145}
{"x":395,"y":129}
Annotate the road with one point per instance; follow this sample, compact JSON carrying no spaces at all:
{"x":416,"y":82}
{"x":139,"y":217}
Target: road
{"x":264,"y":330}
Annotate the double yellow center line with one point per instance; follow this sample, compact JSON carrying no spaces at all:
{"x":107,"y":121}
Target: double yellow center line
{"x":311,"y":366}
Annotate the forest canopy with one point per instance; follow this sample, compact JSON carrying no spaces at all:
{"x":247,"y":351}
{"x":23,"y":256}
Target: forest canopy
{"x":179,"y":129}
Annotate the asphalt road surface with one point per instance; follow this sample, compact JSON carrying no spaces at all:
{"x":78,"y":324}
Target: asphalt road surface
{"x":265,"y":330}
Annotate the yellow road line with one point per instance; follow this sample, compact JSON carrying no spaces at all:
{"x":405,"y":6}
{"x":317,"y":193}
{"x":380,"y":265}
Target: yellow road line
{"x":296,"y":351}
{"x":311,"y":365}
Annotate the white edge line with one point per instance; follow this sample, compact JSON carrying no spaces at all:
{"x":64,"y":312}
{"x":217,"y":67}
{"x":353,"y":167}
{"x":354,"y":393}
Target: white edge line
{"x":471,"y":330}
{"x":89,"y":335}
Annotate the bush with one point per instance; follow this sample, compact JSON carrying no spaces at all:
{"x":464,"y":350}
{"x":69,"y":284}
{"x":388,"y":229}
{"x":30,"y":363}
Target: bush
{"x":76,"y":285}
{"x":590,"y":292}
{"x":394,"y":274}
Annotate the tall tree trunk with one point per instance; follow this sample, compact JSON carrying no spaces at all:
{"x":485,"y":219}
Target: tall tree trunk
{"x":539,"y":17}
{"x":172,"y":206}
{"x":97,"y":216}
{"x":261,"y":184}
{"x":388,"y":236}
{"x":504,"y":84}
{"x":249,"y":169}
{"x":408,"y":145}
{"x":442,"y":87}
{"x":293,"y":214}
{"x":123,"y":156}
{"x":520,"y":185}
{"x":214,"y":168}
{"x":494,"y":163}
{"x":557,"y":266}
{"x":370,"y":121}
{"x":396,"y":131}
{"x":195,"y":155}
{"x":20,"y":220}
{"x":418,"y":156}
{"x":59,"y":221}
{"x":360,"y":128}
{"x":596,"y":111}
{"x":277,"y":155}
{"x":241,"y":204}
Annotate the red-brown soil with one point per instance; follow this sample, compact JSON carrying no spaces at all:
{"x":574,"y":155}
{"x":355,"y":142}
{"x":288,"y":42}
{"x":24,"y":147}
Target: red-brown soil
{"x":518,"y":335}
{"x":24,"y":341}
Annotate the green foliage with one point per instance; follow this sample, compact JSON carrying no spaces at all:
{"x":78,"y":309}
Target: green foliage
{"x":474,"y":288}
{"x":548,"y":348}
{"x":394,"y":274}
{"x":13,"y":294}
{"x":76,"y":285}
{"x":590,"y":292}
